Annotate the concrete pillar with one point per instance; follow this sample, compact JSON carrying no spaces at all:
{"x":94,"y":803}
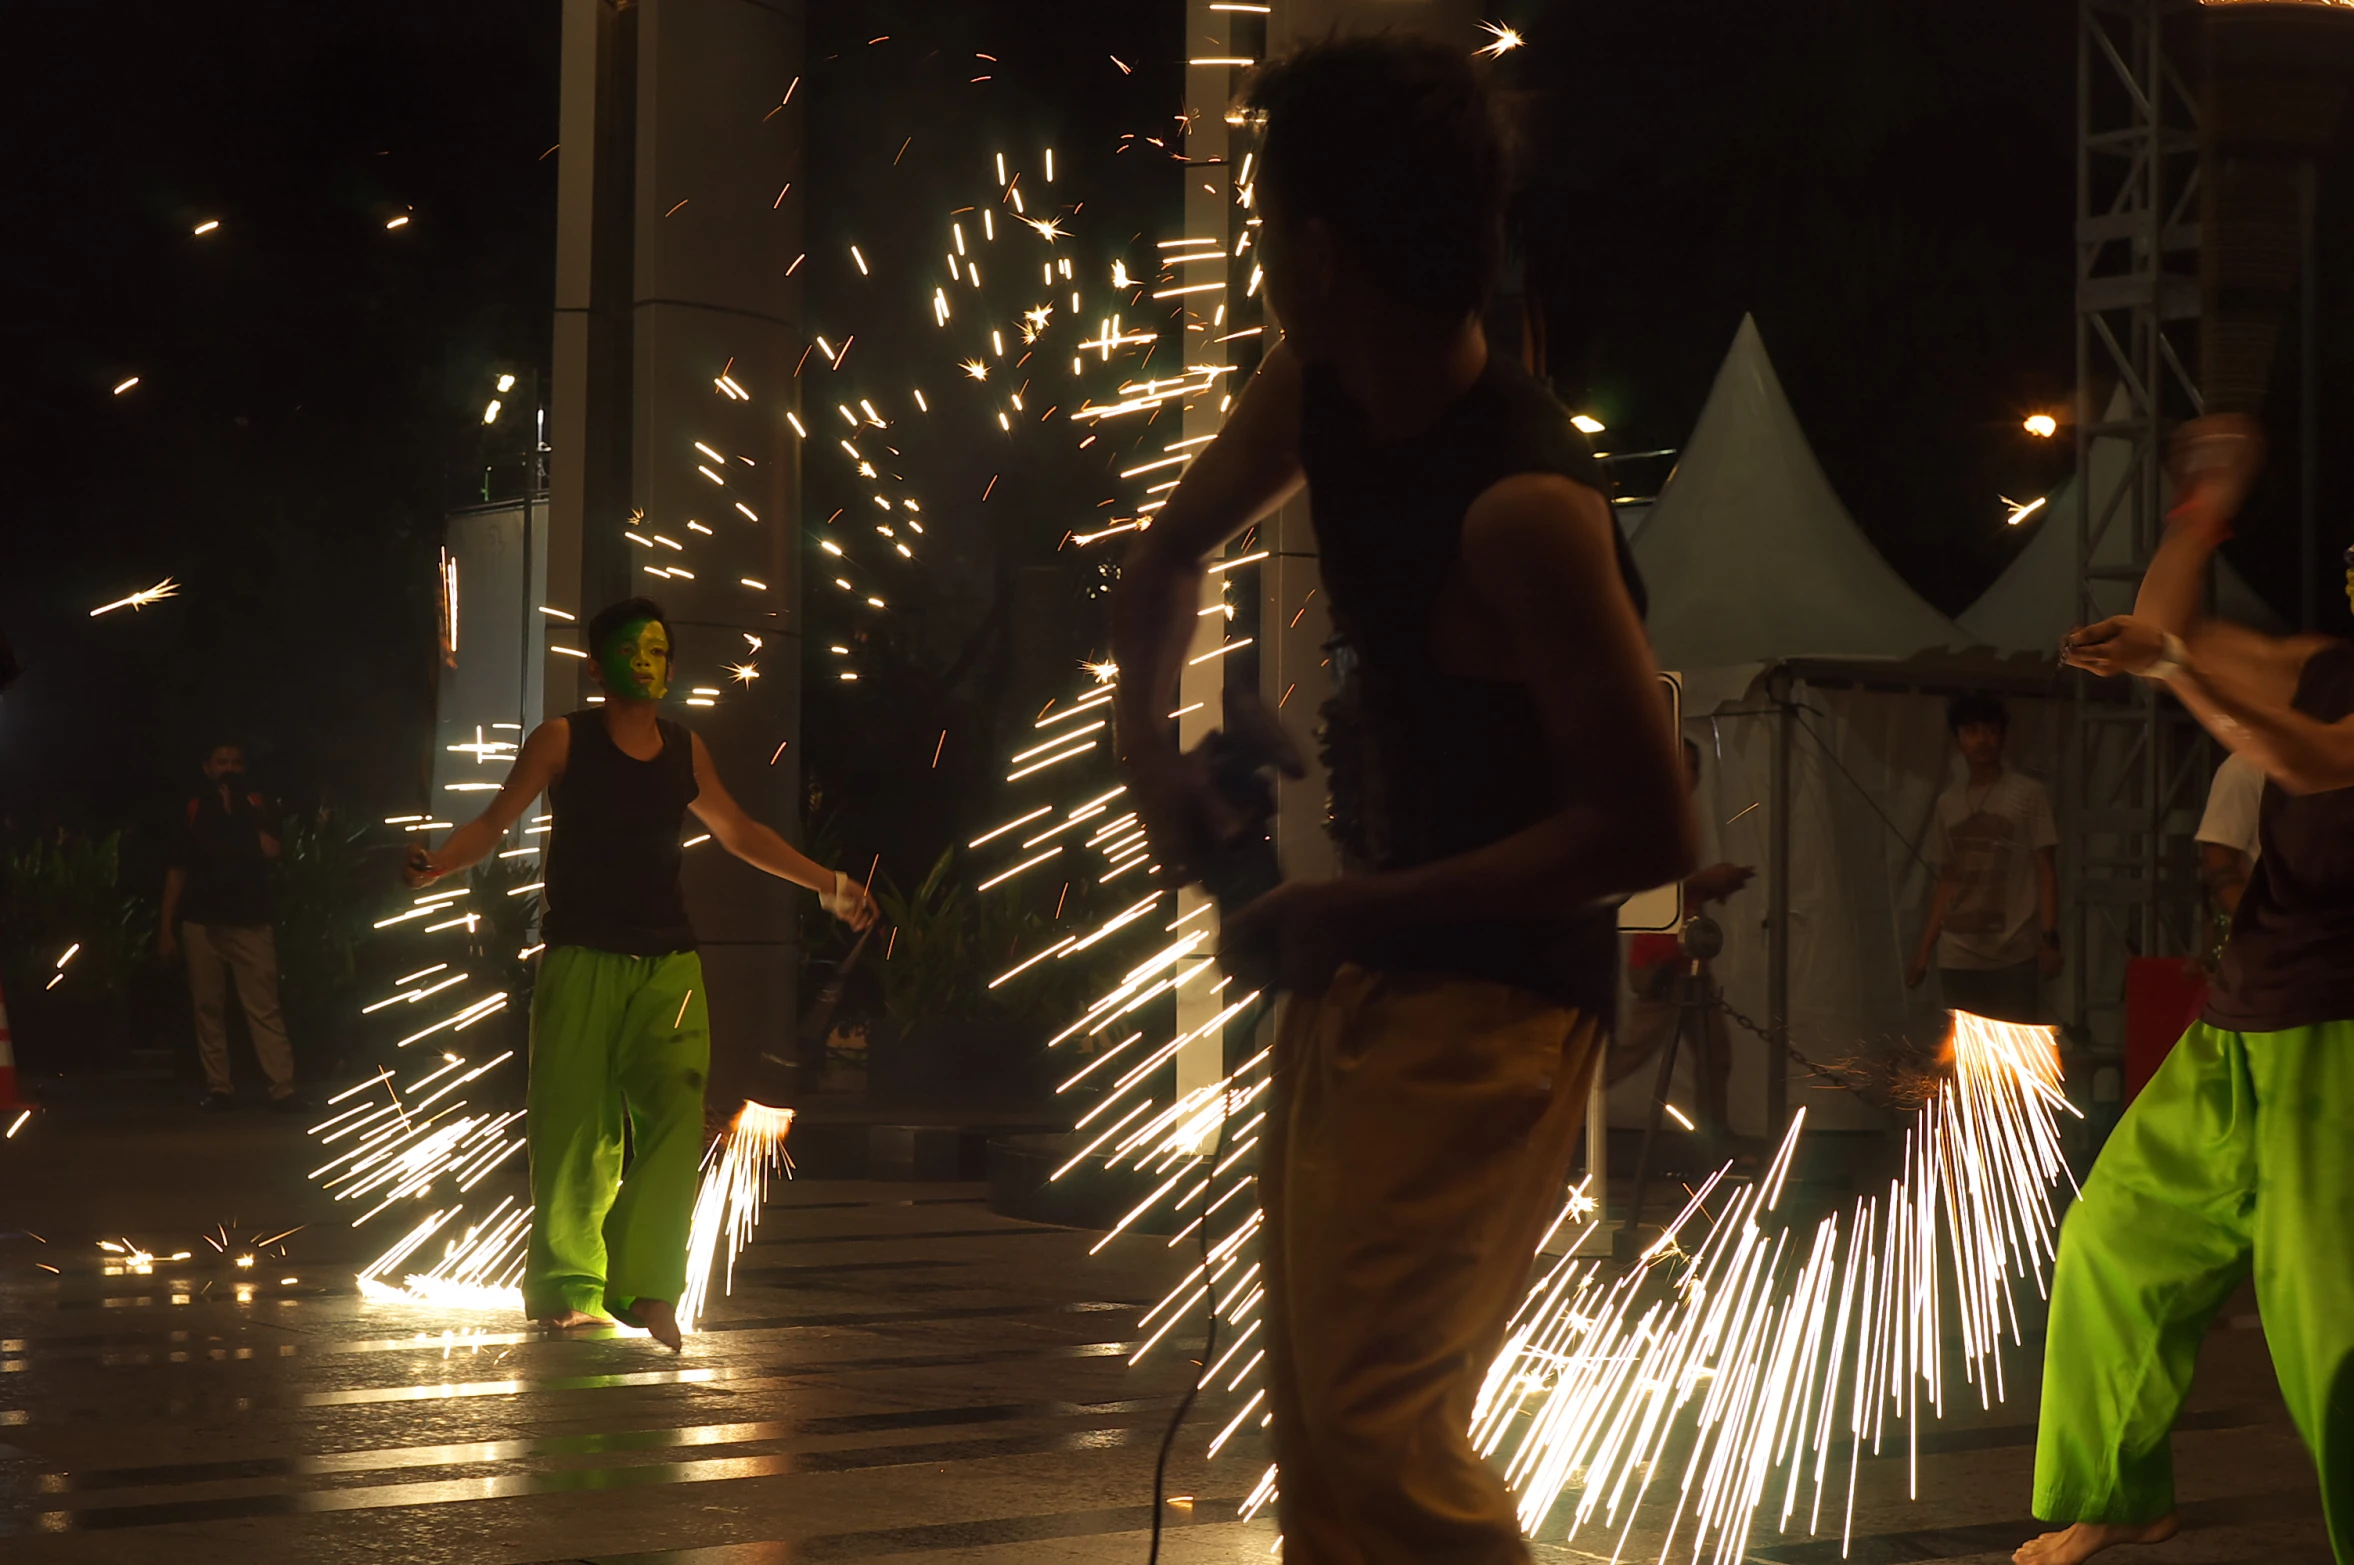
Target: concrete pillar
{"x":1210,"y":215}
{"x":677,"y":336}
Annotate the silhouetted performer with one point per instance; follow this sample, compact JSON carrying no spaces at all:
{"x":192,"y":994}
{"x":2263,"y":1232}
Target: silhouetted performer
{"x":2239,"y":1154}
{"x":1501,"y":765}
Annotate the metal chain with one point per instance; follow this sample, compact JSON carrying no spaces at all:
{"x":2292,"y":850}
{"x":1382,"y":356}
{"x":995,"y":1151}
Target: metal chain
{"x":1845,"y":1083}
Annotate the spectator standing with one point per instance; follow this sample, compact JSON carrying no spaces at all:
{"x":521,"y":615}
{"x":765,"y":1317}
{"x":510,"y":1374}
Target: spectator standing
{"x":1994,"y":918}
{"x":219,"y":885}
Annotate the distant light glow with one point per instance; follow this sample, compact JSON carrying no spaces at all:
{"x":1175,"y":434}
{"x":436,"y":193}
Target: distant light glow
{"x":1587,"y":424}
{"x":2042,"y":425}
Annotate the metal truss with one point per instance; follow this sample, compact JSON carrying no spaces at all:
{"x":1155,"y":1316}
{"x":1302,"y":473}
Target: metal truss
{"x":2140,"y":767}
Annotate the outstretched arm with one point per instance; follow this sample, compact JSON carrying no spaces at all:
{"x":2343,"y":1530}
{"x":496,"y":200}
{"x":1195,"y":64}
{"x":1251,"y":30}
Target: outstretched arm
{"x":2237,"y":682}
{"x":759,"y":846}
{"x":540,"y":763}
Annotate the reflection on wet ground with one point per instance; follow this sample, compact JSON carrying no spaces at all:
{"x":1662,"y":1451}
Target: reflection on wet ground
{"x":898,"y":1375}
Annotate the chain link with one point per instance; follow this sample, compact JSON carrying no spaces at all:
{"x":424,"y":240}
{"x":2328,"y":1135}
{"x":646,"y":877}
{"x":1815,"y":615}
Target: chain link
{"x":1846,"y":1083}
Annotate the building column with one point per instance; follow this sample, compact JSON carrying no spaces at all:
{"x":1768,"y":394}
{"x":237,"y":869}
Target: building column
{"x":677,"y":336}
{"x":1210,"y":214}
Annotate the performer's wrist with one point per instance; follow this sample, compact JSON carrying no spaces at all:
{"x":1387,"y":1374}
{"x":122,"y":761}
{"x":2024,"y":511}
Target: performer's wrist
{"x":2174,"y":657}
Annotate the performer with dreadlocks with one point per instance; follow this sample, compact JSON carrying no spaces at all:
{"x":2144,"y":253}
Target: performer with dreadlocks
{"x":618,"y":1025}
{"x":1509,"y":766}
{"x":2239,"y":1154}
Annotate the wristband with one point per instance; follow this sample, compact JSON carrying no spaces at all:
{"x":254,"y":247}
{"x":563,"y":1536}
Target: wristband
{"x":2174,"y":657}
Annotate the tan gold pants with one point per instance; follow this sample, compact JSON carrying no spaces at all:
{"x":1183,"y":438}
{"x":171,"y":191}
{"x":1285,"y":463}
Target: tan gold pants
{"x":1418,"y":1147}
{"x":250,"y":953}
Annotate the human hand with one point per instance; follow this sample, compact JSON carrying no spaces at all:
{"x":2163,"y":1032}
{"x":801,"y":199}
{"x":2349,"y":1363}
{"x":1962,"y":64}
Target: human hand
{"x":420,"y":871}
{"x":1716,"y":882}
{"x":849,"y":901}
{"x":2214,"y":461}
{"x":1185,"y":817}
{"x":1300,"y":932}
{"x":2120,"y":644}
{"x":1917,"y":972}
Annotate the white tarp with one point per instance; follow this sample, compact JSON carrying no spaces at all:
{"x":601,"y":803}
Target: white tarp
{"x":1867,"y":765}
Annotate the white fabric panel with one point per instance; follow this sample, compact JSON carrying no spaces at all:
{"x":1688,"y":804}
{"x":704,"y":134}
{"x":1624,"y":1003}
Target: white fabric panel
{"x":1866,"y":770}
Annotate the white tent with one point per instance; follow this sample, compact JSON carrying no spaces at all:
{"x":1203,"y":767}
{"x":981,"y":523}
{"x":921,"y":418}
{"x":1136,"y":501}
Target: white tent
{"x":2033,"y":602}
{"x":1815,"y":684}
{"x":1753,"y":554}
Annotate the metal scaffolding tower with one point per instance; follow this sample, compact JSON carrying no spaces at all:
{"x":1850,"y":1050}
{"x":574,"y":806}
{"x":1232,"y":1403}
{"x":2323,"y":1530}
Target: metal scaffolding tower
{"x":2139,"y":766}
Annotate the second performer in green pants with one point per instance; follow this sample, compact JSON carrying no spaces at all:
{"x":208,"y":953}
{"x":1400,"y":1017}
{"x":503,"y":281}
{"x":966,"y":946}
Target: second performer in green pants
{"x":619,"y":1030}
{"x":2234,"y":1161}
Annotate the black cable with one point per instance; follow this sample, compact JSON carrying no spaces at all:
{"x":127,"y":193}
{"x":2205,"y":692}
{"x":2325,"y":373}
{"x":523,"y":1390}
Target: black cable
{"x":1160,"y":1466}
{"x":1824,"y":746}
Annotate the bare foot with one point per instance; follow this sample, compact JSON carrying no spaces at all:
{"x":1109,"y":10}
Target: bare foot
{"x":569,"y":1320}
{"x":660,"y":1321}
{"x":2086,"y":1539}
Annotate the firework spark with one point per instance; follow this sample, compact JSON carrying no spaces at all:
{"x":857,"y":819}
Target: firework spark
{"x":736,"y":1171}
{"x":1502,"y":40}
{"x":166,"y":588}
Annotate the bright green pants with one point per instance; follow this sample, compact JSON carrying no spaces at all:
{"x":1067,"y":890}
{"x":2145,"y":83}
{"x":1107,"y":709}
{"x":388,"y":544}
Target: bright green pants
{"x":613,"y":1035}
{"x":2239,"y":1151}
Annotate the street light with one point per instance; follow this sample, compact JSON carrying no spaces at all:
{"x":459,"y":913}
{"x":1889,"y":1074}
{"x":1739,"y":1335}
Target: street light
{"x":490,"y":414}
{"x":1587,"y":424}
{"x":2041,"y":425}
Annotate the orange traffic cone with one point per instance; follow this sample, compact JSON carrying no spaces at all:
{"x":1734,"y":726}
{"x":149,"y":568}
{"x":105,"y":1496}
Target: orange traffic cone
{"x":7,"y":1060}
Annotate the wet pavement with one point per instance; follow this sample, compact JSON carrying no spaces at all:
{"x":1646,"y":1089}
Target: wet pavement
{"x":899,"y":1375}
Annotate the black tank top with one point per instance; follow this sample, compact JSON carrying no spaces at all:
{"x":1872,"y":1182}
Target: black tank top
{"x":1424,"y":764}
{"x":2290,"y":959}
{"x":612,"y":880}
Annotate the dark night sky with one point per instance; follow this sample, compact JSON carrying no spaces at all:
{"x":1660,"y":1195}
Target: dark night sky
{"x":1886,"y":184}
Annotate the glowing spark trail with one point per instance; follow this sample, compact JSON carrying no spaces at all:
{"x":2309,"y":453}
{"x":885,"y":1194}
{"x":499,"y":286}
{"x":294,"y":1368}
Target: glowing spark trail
{"x":1503,"y":40}
{"x":736,"y":1171}
{"x":1724,"y":1369}
{"x":166,"y":588}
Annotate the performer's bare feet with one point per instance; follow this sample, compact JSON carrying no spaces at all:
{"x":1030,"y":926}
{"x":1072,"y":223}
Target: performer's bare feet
{"x":570,"y":1320}
{"x":2086,"y":1539}
{"x":660,"y":1321}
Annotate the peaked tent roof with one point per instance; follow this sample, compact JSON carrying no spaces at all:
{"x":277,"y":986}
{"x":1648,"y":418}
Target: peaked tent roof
{"x":1750,"y":557}
{"x":2033,"y":602}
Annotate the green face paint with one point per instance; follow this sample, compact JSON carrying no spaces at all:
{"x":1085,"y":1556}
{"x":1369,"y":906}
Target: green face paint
{"x":636,"y":662}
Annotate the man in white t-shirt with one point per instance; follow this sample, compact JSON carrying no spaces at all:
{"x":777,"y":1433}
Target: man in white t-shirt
{"x":2227,"y":831}
{"x":1994,"y":919}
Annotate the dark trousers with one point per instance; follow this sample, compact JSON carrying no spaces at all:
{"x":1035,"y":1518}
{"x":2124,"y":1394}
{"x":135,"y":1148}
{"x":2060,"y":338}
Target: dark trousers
{"x":2002,"y":994}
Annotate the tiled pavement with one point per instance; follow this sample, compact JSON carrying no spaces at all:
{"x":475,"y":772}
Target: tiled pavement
{"x":899,"y":1376}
